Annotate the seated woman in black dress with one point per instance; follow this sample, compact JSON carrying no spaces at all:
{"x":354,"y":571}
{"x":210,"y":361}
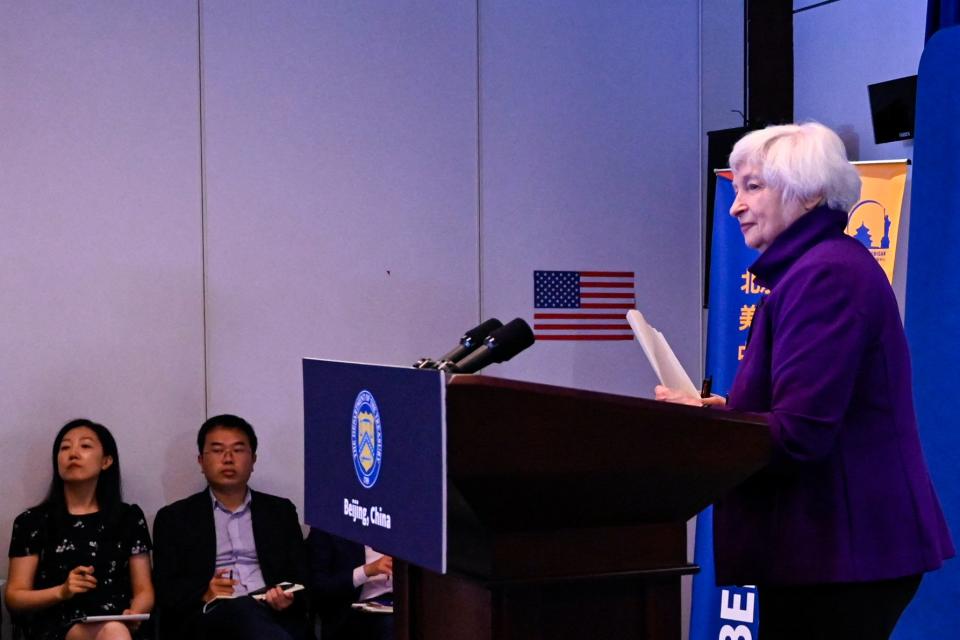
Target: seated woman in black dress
{"x":82,"y":551}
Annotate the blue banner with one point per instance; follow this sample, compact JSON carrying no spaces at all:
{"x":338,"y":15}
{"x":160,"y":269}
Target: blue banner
{"x":942,"y":14}
{"x":933,"y":314}
{"x":728,"y":612}
{"x":375,"y":457}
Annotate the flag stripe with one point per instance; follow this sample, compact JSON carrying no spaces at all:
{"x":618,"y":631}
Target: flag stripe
{"x":578,"y":316}
{"x":597,"y":305}
{"x":606,"y":274}
{"x":605,"y":294}
{"x":605,"y":327}
{"x":607,"y":285}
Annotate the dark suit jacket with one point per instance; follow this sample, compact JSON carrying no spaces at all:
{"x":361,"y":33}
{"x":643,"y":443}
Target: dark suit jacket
{"x":185,"y":549}
{"x":332,"y":561}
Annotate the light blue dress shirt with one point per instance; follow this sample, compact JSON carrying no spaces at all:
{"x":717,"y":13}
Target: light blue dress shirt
{"x":236,"y":548}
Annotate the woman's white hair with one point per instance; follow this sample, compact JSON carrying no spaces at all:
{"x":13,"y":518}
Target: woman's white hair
{"x":805,"y":161}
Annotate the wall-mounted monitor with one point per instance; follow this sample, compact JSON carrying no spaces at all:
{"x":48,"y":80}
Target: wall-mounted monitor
{"x":892,"y":106}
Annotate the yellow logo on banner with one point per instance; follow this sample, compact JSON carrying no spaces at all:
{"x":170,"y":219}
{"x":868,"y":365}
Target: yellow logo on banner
{"x":875,"y":220}
{"x":367,"y":437}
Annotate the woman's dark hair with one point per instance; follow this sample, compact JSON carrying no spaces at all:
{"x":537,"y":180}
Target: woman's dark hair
{"x":109,"y":494}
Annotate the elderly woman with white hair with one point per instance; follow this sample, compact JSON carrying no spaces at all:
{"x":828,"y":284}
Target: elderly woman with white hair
{"x":838,"y":529}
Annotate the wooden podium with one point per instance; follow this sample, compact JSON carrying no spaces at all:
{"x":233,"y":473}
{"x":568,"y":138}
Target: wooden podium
{"x":567,"y":512}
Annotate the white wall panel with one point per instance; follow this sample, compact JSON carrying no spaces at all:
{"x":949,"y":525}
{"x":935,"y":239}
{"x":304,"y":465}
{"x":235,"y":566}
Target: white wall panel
{"x":341,"y":155}
{"x":839,"y":49}
{"x":100,"y":244}
{"x":591,"y":160}
{"x":842,"y":47}
{"x":721,"y":60}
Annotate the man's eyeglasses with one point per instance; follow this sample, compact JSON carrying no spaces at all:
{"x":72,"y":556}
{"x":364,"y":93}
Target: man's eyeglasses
{"x":220,"y":452}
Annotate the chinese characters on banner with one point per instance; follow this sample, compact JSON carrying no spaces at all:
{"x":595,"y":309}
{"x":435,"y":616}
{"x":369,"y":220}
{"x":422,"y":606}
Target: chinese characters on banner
{"x":750,"y":290}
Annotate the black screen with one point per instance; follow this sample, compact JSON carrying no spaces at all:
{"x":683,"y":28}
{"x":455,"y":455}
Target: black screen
{"x":892,"y":104}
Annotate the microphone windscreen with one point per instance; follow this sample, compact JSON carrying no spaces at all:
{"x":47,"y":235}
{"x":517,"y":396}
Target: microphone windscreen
{"x":480,"y":332}
{"x":471,"y":340}
{"x":501,"y":345}
{"x":510,"y":339}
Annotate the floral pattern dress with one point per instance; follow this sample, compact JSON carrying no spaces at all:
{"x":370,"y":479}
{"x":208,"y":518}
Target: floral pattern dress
{"x":67,"y":541}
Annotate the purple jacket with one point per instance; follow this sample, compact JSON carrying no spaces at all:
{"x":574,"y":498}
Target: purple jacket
{"x":847,"y":496}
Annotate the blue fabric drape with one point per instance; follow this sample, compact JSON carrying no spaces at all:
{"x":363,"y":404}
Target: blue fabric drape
{"x":940,"y":14}
{"x":933,"y":314}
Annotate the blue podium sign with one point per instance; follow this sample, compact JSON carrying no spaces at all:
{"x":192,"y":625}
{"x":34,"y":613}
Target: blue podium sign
{"x":375,"y":457}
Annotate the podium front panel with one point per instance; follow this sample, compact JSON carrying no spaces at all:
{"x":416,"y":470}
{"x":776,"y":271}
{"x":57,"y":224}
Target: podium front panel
{"x":375,"y":457}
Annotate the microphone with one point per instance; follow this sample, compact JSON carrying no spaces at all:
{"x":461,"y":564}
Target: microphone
{"x":501,"y":345}
{"x":470,"y":341}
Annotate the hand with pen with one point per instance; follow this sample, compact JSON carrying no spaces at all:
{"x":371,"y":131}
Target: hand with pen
{"x":79,"y":580}
{"x":221,"y":584}
{"x":666,"y":394}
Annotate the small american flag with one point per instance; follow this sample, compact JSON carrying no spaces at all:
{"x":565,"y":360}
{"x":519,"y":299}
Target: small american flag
{"x":582,"y":305}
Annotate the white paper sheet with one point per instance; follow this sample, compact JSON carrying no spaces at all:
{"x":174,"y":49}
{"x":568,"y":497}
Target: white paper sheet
{"x":661,"y":357}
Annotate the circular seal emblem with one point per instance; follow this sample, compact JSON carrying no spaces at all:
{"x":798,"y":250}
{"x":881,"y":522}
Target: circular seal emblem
{"x":366,"y":439}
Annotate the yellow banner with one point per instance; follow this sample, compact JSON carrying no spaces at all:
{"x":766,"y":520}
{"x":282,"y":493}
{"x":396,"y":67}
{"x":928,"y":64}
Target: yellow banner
{"x":875,"y":220}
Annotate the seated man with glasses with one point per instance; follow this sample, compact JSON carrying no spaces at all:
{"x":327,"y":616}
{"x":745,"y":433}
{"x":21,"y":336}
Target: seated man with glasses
{"x":215,"y":547}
